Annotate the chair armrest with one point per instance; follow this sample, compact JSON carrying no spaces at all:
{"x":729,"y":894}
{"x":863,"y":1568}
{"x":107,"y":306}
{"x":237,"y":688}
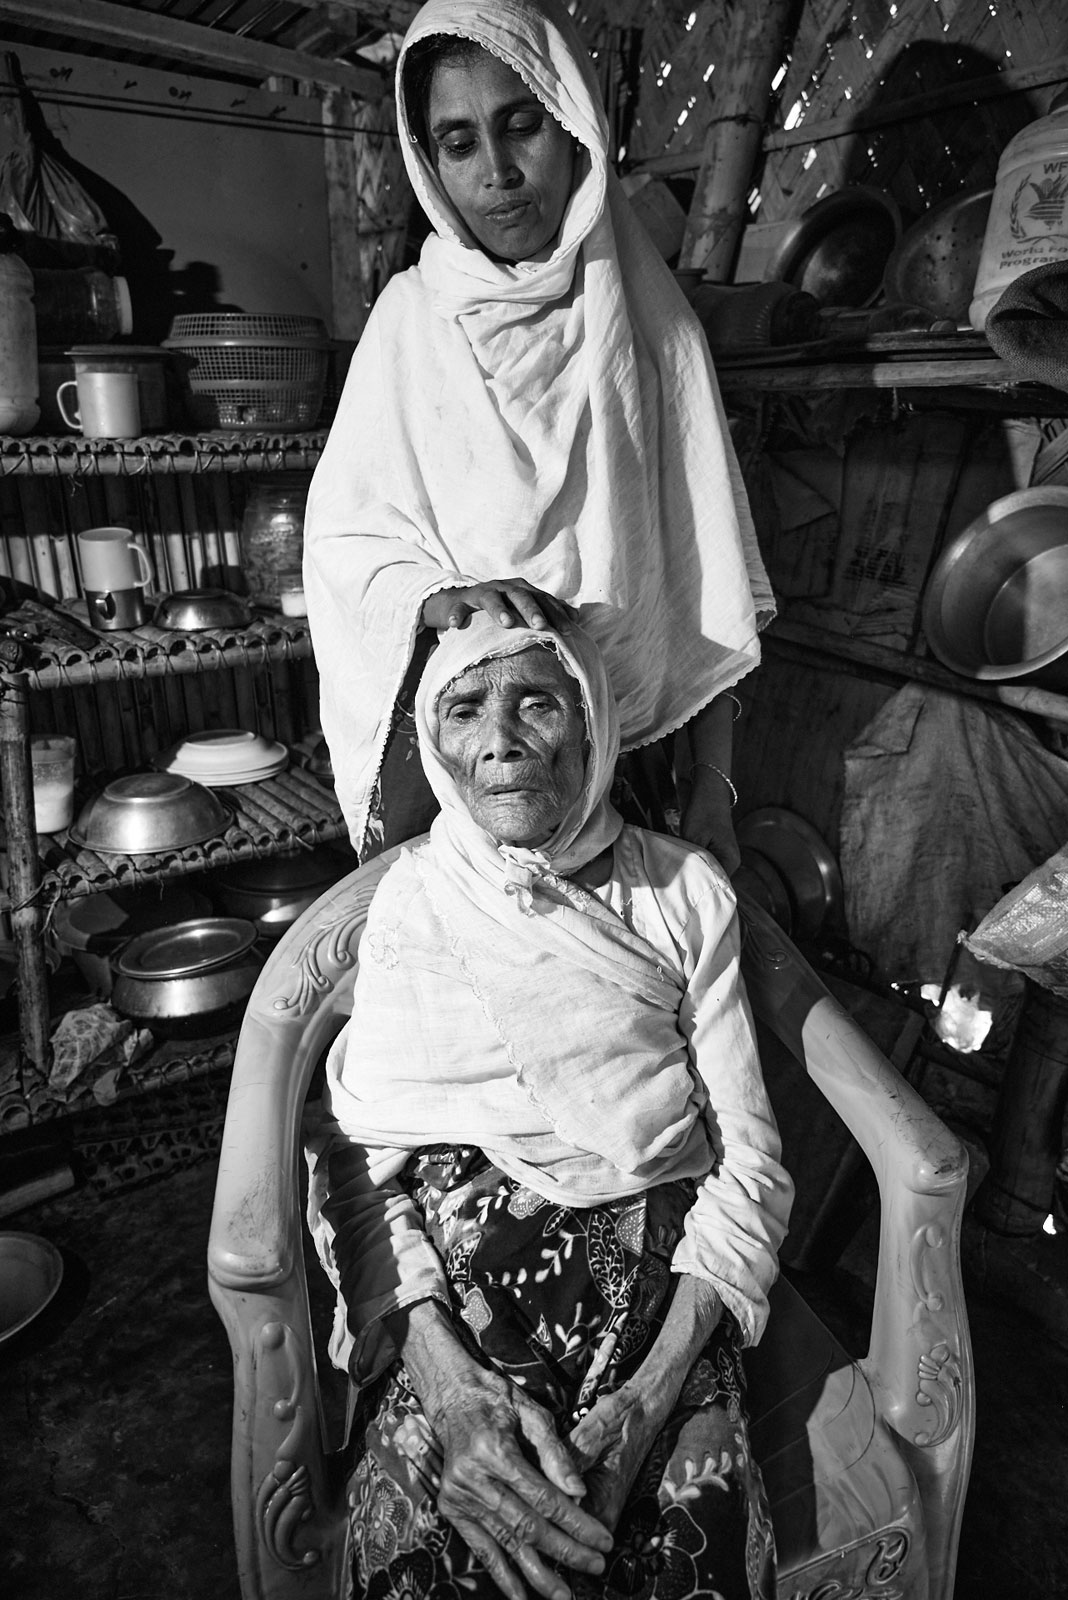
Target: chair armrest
{"x":289,"y":1510}
{"x":919,"y":1358}
{"x":300,"y":1002}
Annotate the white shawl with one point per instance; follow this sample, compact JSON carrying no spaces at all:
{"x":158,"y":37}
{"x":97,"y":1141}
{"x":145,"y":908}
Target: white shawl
{"x":499,"y":1004}
{"x":557,"y":420}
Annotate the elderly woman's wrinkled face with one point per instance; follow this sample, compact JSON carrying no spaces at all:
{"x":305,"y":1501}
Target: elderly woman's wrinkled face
{"x":512,"y":735}
{"x":504,"y":162}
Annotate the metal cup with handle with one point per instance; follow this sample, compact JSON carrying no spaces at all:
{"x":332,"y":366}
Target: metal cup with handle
{"x":115,"y":570}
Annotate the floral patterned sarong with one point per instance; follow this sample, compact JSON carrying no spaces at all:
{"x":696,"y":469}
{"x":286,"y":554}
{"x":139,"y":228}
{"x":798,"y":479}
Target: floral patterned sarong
{"x":566,"y":1303}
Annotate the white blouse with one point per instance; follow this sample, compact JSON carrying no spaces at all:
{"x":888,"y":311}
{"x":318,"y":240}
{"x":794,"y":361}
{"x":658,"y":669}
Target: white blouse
{"x":372,"y":1243}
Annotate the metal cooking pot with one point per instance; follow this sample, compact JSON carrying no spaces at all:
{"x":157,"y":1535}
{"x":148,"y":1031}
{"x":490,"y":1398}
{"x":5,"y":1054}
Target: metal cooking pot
{"x":189,"y":980}
{"x":273,"y":893}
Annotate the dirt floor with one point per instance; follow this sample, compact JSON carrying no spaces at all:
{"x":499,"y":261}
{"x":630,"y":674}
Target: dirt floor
{"x":115,"y":1414}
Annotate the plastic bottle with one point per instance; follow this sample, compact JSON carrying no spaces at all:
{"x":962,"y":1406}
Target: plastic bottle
{"x":19,"y":410}
{"x":83,"y":304}
{"x":1028,"y":222}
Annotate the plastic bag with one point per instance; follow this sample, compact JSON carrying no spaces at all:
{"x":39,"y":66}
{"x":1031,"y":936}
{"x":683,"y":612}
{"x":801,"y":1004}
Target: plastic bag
{"x":37,"y":191}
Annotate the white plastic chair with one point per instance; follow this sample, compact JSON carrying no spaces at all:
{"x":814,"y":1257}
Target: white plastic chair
{"x":866,"y":1463}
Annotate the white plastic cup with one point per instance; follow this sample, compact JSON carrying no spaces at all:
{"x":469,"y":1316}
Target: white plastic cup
{"x":112,"y":559}
{"x":52,"y":770}
{"x":291,"y":593}
{"x":107,"y":405}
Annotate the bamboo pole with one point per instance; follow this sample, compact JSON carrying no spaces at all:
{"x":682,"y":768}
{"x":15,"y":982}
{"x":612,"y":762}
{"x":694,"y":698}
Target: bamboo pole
{"x":755,"y":44}
{"x":24,"y":878}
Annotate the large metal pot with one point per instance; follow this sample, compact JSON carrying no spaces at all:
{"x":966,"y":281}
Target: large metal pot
{"x":272,"y":893}
{"x":190,"y":980}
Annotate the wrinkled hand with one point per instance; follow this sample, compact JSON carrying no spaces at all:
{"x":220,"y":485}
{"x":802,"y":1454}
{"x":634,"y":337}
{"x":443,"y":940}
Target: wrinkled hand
{"x":510,"y":601}
{"x":611,"y":1443}
{"x":512,"y":1515}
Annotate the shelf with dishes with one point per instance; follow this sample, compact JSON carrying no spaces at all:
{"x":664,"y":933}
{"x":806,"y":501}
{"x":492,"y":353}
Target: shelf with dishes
{"x":961,"y":361}
{"x":290,"y":811}
{"x":157,"y":906}
{"x":217,"y":514}
{"x":52,"y":647}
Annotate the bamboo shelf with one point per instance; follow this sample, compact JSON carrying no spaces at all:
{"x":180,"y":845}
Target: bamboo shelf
{"x":49,"y":647}
{"x":26,"y":1100}
{"x":801,"y":641}
{"x":160,"y":454}
{"x":961,"y":363}
{"x":280,"y":815}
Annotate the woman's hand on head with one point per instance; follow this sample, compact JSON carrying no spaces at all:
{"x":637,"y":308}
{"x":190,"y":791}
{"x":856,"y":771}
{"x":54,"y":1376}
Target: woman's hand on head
{"x":512,"y":602}
{"x":515,"y":1515}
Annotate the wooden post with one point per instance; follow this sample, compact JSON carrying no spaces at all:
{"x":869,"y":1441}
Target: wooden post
{"x":1016,"y":1196}
{"x":756,"y":42}
{"x":24,"y":876}
{"x":368,"y":196}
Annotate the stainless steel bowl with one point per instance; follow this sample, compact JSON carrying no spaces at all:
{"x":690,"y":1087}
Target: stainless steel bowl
{"x":838,"y":248}
{"x":191,"y":610}
{"x":148,"y":812}
{"x":190,"y":980}
{"x":31,"y":1270}
{"x":996,"y":604}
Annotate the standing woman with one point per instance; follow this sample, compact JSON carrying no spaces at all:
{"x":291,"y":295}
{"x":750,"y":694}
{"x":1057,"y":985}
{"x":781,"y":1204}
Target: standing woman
{"x":531,"y":417}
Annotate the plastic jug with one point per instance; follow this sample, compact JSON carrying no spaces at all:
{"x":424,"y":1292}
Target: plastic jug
{"x":1028,"y":222}
{"x":19,"y":410}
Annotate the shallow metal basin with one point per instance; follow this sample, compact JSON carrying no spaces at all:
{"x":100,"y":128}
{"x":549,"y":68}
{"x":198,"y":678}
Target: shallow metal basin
{"x":148,"y":812}
{"x":996,"y":605}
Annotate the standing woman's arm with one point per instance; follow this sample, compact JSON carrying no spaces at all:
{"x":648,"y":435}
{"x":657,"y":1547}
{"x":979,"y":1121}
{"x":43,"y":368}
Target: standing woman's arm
{"x":707,"y":741}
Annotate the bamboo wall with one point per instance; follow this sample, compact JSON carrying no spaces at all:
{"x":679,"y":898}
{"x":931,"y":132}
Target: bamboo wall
{"x":917,"y":97}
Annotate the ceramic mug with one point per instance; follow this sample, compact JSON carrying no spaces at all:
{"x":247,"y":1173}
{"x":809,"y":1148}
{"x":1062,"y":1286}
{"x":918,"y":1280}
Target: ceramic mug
{"x":113,"y":558}
{"x":108,"y":406}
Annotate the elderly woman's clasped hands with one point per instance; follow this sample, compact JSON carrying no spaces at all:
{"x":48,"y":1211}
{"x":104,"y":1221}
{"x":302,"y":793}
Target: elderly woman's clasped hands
{"x":508,"y":1482}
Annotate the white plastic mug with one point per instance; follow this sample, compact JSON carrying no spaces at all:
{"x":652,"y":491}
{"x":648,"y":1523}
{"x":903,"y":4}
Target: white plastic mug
{"x":108,"y":407}
{"x":112,"y":559}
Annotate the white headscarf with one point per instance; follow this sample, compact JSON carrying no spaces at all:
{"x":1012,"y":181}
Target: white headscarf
{"x":557,"y":420}
{"x":591,"y":824}
{"x":499,"y":1004}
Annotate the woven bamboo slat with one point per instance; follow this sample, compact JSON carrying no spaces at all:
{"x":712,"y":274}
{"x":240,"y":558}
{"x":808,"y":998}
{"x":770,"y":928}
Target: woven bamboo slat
{"x":173,"y":453}
{"x":918,"y":99}
{"x":60,"y":652}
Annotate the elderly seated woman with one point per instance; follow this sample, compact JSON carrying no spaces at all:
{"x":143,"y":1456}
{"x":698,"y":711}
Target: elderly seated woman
{"x":548,"y":1184}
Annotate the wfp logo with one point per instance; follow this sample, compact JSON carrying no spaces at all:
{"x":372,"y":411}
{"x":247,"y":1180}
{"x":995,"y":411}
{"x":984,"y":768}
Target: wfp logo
{"x":1047,"y":208}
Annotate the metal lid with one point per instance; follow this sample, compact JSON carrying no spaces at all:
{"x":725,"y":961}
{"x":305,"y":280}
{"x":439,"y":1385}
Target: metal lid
{"x":185,"y":948}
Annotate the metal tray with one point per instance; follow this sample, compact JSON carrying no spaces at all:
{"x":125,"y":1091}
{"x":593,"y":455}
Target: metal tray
{"x":804,"y":861}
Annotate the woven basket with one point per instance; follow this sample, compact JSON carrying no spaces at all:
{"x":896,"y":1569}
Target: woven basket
{"x":245,"y":381}
{"x":246,"y":325}
{"x":224,"y":403}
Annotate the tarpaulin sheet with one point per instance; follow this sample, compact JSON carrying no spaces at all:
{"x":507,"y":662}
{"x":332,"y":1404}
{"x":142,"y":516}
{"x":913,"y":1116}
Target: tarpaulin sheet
{"x":947,"y":803}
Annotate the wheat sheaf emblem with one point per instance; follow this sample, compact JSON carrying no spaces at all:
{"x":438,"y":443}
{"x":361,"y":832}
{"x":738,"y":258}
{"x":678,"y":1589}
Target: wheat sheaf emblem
{"x":1047,"y":207}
